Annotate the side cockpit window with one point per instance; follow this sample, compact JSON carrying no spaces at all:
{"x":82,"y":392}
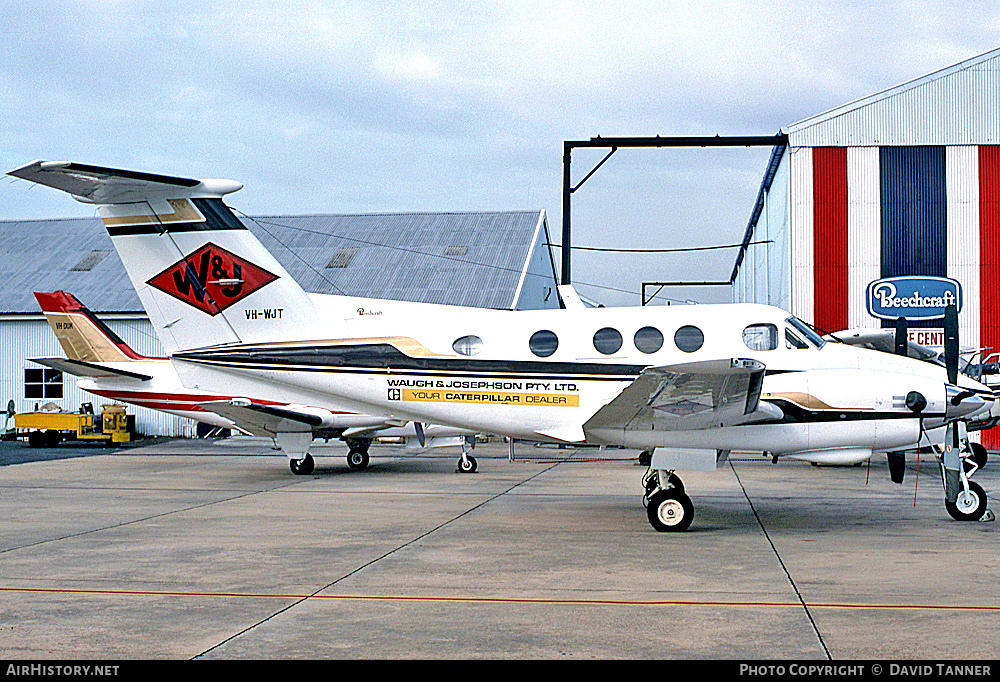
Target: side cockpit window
{"x":806,"y":331}
{"x":793,"y":341}
{"x":761,"y":337}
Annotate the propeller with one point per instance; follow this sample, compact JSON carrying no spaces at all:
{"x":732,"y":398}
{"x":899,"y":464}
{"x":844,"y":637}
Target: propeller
{"x":419,"y":428}
{"x":951,"y":343}
{"x":897,"y":460}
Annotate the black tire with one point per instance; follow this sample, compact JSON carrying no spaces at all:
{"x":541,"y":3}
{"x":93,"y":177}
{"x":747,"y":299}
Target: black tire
{"x":36,"y":439}
{"x":979,"y":454}
{"x":467,"y":465}
{"x":358,"y":459}
{"x":670,"y":511}
{"x":302,"y":467}
{"x":969,"y":506}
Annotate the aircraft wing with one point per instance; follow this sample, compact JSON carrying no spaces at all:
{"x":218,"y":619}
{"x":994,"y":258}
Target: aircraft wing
{"x":686,"y":397}
{"x":91,"y":370}
{"x":263,"y":420}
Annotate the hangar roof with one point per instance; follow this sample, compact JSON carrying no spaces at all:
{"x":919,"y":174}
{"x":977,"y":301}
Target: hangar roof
{"x":954,"y":106}
{"x":487,"y":260}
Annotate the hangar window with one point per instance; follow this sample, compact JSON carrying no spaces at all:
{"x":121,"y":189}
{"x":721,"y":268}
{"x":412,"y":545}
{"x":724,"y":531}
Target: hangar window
{"x":543,"y":343}
{"x":649,"y":339}
{"x":689,"y":338}
{"x":468,"y":345}
{"x":761,"y":337}
{"x":608,"y":340}
{"x":43,"y":383}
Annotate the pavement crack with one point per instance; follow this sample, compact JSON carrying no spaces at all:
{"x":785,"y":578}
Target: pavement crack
{"x":374,"y":561}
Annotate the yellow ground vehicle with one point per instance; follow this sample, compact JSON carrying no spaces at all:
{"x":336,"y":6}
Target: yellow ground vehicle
{"x":49,"y":428}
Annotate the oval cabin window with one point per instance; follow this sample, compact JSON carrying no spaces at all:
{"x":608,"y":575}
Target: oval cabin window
{"x":543,"y":343}
{"x":649,"y":339}
{"x":608,"y":340}
{"x":689,"y":338}
{"x":468,"y":345}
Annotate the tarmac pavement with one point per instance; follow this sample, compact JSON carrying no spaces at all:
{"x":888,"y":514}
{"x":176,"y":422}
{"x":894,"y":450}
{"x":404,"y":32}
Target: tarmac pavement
{"x":214,"y":550}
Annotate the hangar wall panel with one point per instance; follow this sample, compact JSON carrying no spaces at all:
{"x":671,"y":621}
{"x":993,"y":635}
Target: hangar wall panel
{"x":989,"y":252}
{"x":962,"y":190}
{"x":830,"y":243}
{"x":864,"y":239}
{"x":802,"y":232}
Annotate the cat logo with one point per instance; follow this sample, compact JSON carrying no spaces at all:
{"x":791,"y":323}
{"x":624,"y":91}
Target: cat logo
{"x":211,"y":279}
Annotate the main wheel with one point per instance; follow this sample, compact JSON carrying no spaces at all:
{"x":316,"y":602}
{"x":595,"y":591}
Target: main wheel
{"x":670,"y":511}
{"x":358,"y":459}
{"x":302,"y":467}
{"x":969,"y":506}
{"x":467,"y":465}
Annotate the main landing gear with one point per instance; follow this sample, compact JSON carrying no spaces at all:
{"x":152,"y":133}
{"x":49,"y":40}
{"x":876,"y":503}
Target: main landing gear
{"x":467,"y":463}
{"x":357,"y":457}
{"x":668,"y":507}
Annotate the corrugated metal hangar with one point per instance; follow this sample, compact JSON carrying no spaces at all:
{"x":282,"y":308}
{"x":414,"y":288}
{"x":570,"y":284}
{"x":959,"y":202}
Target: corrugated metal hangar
{"x":487,"y":260}
{"x":885,"y":203}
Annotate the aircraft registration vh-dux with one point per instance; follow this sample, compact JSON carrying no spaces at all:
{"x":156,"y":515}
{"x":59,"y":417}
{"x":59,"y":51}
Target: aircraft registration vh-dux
{"x":689,"y":383}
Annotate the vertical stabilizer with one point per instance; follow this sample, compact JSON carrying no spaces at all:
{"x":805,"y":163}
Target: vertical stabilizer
{"x":202,"y":277}
{"x":80,"y":333}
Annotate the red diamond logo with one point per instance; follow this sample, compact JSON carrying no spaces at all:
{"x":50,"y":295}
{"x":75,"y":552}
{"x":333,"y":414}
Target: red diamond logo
{"x":211,"y":279}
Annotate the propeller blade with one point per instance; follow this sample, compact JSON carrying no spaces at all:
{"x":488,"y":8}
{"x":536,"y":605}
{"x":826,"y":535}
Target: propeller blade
{"x":951,"y":342}
{"x":897,"y":466}
{"x":901,"y":346}
{"x":420,"y":432}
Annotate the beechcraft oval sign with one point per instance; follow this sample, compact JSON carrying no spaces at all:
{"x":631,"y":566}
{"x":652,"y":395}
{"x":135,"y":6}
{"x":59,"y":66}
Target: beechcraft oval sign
{"x":211,"y":279}
{"x":915,"y":298}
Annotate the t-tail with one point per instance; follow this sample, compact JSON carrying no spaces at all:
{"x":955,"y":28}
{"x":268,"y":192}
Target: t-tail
{"x":201,"y":275}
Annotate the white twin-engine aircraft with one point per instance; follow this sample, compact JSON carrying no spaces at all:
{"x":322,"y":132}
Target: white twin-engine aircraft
{"x":108,"y":367}
{"x":689,"y":383}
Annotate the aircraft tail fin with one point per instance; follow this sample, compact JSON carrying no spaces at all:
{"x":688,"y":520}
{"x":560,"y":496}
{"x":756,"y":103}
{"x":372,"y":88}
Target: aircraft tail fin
{"x":83,"y":337}
{"x":202,"y":276}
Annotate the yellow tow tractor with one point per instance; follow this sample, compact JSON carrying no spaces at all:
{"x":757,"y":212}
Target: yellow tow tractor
{"x":46,"y":428}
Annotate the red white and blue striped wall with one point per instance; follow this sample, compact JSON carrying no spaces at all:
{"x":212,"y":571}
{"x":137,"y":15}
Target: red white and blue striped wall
{"x":863,"y":213}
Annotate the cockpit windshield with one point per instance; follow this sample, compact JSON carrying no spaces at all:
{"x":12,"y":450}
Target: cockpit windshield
{"x":806,"y":331}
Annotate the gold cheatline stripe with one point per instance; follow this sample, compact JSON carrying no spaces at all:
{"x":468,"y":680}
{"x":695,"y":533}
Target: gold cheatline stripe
{"x":501,"y":600}
{"x":184,"y":212}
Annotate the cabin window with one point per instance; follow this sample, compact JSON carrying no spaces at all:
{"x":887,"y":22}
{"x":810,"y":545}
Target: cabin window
{"x":43,"y":383}
{"x":793,"y":341}
{"x":608,"y":340}
{"x":543,"y":343}
{"x":689,"y":338}
{"x":649,"y":339}
{"x":761,"y":337}
{"x":468,"y":345}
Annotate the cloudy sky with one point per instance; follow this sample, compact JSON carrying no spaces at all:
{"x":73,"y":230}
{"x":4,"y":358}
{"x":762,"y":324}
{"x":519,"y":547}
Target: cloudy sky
{"x":350,"y":107}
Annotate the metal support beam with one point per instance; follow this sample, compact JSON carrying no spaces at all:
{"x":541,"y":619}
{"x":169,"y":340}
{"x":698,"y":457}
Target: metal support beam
{"x":614,"y":143}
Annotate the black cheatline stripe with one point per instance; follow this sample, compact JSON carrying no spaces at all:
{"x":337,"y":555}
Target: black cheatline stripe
{"x":386,"y":357}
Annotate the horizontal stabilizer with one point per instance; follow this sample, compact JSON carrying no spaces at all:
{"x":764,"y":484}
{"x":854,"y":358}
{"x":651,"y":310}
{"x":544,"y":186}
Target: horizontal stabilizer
{"x":100,"y":185}
{"x":90,"y":370}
